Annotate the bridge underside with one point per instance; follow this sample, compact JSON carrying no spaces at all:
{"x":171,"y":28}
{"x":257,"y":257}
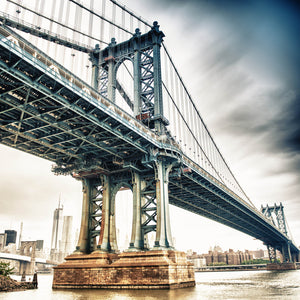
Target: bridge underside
{"x":53,"y":115}
{"x":197,"y":194}
{"x":52,"y":118}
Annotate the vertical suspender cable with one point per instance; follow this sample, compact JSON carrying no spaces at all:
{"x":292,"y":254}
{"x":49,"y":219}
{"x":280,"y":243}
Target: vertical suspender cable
{"x":193,"y":142}
{"x":51,"y":23}
{"x":70,"y":58}
{"x":166,"y":81}
{"x":184,"y":133}
{"x":112,"y":28}
{"x":175,"y":118}
{"x":102,"y":27}
{"x":35,"y":39}
{"x":198,"y":136}
{"x":91,"y":19}
{"x":179,"y":129}
{"x":59,"y":52}
{"x":123,"y":25}
{"x":131,"y":23}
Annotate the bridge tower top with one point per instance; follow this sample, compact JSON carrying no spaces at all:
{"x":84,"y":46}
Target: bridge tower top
{"x":143,"y":50}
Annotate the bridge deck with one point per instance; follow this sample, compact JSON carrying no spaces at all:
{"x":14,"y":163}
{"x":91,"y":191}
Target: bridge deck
{"x":48,"y":112}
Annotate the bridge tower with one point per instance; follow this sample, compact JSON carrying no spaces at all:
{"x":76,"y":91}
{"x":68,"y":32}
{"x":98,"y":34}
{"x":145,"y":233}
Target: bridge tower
{"x":27,"y":248}
{"x":142,"y":265}
{"x":144,"y":53}
{"x":276,"y":215}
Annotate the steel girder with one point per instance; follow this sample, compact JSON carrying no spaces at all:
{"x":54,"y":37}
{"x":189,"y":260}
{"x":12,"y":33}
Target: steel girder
{"x":197,"y":193}
{"x":47,"y":117}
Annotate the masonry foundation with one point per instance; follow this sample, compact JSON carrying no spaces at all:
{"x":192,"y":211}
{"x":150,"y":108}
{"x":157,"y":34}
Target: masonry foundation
{"x":281,"y":266}
{"x":158,"y":269}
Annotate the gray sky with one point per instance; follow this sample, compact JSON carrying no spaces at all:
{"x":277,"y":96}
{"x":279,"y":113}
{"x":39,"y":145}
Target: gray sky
{"x":240,"y":61}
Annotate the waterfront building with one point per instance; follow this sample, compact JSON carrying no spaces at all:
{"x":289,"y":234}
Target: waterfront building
{"x":214,"y":257}
{"x":259,"y":253}
{"x":39,"y":244}
{"x":2,"y":241}
{"x":11,"y":237}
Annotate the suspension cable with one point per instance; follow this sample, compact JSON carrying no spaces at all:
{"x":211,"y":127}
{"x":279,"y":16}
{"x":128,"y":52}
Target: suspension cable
{"x":124,"y":8}
{"x":185,"y":122}
{"x":205,"y":125}
{"x":101,"y":17}
{"x":60,"y":24}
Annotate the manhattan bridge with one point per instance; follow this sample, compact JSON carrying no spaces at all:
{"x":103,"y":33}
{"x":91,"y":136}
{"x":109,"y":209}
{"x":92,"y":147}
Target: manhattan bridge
{"x":91,"y":86}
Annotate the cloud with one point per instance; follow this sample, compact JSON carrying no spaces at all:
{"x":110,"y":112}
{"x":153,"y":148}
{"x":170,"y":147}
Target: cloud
{"x":245,"y":66}
{"x":250,"y":66}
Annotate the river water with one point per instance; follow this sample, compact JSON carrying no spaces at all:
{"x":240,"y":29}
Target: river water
{"x":256,"y":285}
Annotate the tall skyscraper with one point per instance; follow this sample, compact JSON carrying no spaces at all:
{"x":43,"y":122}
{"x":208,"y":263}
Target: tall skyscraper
{"x":39,"y":245}
{"x":11,"y":237}
{"x":57,"y":227}
{"x":66,"y":241}
{"x":20,"y":235}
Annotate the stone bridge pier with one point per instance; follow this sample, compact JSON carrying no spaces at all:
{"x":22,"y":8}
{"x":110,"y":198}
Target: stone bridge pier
{"x":97,"y":263}
{"x":27,"y":248}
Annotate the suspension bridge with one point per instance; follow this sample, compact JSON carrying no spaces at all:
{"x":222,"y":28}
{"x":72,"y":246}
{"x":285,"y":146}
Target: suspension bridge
{"x":92,"y":87}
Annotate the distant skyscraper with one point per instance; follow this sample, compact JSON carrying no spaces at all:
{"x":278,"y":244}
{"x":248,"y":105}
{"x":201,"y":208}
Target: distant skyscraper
{"x":66,"y":241}
{"x":11,"y":237}
{"x":39,"y":244}
{"x":57,"y":227}
{"x":2,"y":240}
{"x":20,"y":235}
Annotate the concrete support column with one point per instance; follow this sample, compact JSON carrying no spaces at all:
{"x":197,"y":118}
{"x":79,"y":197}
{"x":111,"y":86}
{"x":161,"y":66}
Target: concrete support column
{"x":163,"y":228}
{"x":112,"y":224}
{"x":104,"y":239}
{"x":137,"y":240}
{"x":83,"y":240}
{"x":286,"y":253}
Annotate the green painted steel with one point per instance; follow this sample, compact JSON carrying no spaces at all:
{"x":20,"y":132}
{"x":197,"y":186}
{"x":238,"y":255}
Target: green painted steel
{"x":48,"y":112}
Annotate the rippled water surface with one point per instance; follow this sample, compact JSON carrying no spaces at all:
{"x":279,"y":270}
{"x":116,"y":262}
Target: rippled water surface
{"x":215,"y":285}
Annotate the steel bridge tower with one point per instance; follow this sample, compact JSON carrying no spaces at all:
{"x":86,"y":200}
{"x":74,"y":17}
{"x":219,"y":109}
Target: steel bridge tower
{"x":276,"y":215}
{"x":150,"y":189}
{"x":147,"y":177}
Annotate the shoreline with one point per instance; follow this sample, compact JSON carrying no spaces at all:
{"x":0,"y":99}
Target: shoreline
{"x":7,"y":284}
{"x":253,"y":267}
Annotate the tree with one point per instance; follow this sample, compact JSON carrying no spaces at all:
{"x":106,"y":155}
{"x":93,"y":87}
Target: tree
{"x":256,"y":261}
{"x":5,"y":269}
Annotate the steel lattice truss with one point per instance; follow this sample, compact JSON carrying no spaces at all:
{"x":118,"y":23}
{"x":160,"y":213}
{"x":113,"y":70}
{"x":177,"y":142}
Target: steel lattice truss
{"x":147,"y":80}
{"x":41,"y":116}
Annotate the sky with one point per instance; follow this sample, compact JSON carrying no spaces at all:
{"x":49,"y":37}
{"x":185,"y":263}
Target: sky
{"x":241,"y":64}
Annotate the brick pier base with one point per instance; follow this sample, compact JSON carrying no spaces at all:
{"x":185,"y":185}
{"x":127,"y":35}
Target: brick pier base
{"x":158,"y":269}
{"x":281,"y":266}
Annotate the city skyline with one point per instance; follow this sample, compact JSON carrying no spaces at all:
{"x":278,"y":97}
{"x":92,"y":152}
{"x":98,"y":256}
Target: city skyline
{"x":238,"y":57}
